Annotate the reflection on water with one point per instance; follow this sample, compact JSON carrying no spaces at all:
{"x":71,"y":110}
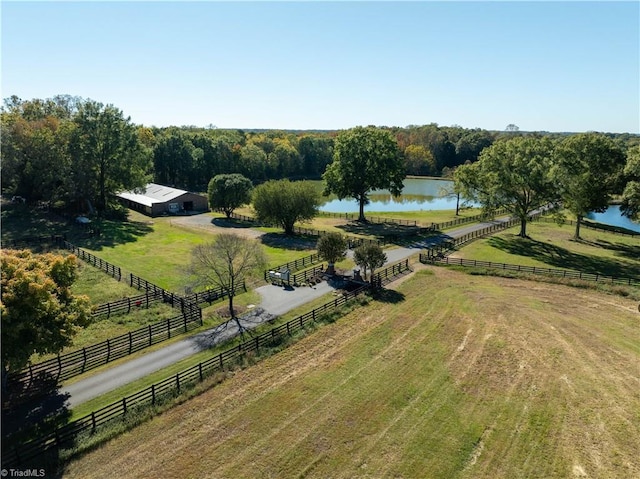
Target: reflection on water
{"x":417,"y":194}
{"x":612,"y":216}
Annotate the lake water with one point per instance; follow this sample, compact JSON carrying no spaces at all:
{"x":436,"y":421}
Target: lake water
{"x":417,"y":194}
{"x":613,"y":217}
{"x":430,"y":194}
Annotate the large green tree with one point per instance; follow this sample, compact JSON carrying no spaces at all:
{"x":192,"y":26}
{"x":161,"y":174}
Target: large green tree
{"x":585,"y":172}
{"x":228,"y":192}
{"x":35,"y":136}
{"x":108,"y":154}
{"x":333,"y":248}
{"x":630,"y":206}
{"x":284,"y":203}
{"x":365,"y":158}
{"x":511,"y":174}
{"x":369,"y":256}
{"x":39,"y":313}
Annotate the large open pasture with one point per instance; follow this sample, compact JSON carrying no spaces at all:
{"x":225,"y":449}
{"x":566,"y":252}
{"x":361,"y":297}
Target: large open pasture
{"x":448,"y":376}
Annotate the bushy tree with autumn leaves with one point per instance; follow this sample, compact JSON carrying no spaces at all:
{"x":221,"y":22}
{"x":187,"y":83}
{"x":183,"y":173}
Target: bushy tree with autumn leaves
{"x":40,"y":314}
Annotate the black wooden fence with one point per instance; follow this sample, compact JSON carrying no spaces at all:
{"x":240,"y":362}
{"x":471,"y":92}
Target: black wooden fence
{"x":126,"y":305}
{"x":561,"y":273}
{"x":370,"y":219}
{"x":15,"y":455}
{"x":296,"y":265}
{"x":105,"y":266}
{"x":594,"y":226}
{"x":65,"y":366}
{"x":468,"y":219}
{"x":389,"y":273}
{"x":18,"y":454}
{"x":211,"y":295}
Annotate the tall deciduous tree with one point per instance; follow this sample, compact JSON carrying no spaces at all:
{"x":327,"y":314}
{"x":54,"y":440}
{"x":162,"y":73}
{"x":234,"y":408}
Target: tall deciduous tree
{"x":511,"y":174}
{"x":365,"y":158}
{"x":39,"y":313}
{"x":228,"y":192}
{"x":226,"y":262}
{"x":284,"y":203}
{"x":333,"y":248}
{"x":630,"y":206}
{"x":585,"y":173}
{"x":107,"y":153}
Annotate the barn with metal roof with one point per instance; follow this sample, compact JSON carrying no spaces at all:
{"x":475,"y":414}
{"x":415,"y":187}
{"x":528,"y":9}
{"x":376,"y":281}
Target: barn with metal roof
{"x":157,"y":200}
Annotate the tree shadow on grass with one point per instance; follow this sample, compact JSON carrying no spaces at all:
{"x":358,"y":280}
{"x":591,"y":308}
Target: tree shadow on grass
{"x":562,"y":258}
{"x":113,"y":233}
{"x":379,"y":230}
{"x":25,"y":418}
{"x":231,"y":223}
{"x":619,"y":249}
{"x":388,"y":296}
{"x":283,"y":241}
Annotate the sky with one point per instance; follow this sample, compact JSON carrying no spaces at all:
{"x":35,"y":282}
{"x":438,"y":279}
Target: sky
{"x":543,"y":66}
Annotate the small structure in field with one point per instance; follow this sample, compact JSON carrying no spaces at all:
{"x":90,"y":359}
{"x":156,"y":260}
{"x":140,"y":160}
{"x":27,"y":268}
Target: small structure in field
{"x":156,"y":200}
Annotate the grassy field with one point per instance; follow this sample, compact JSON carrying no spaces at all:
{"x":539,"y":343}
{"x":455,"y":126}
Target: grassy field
{"x":550,"y":245}
{"x":479,"y":378}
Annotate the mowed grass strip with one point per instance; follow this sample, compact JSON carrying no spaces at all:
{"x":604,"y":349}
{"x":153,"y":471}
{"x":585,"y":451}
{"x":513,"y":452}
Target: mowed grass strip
{"x":455,"y":377}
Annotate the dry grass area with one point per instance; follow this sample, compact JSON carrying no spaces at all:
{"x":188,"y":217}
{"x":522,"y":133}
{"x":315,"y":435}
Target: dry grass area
{"x":451,"y":377}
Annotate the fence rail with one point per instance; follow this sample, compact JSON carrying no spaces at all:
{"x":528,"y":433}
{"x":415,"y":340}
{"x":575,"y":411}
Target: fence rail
{"x":388,"y":274}
{"x":17,"y":454}
{"x":593,"y":226}
{"x":105,"y":266}
{"x":65,"y":366}
{"x":211,"y":295}
{"x":468,"y":219}
{"x":296,"y":265}
{"x":563,"y":273}
{"x":370,"y":219}
{"x":126,"y":305}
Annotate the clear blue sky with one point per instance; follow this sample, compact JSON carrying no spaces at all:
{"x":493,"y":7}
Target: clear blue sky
{"x":317,"y":65}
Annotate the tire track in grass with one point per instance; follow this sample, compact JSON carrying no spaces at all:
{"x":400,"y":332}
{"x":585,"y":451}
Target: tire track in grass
{"x":318,"y":408}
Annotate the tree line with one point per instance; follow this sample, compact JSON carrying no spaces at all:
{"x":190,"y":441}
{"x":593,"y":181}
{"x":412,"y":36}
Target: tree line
{"x":78,"y":153}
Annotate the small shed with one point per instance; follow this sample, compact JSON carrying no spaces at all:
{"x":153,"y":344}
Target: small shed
{"x":156,"y":200}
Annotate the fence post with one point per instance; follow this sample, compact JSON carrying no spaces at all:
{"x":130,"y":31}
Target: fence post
{"x":178,"y":381}
{"x":200,"y":371}
{"x":130,"y":342}
{"x":108,"y":349}
{"x":124,"y":405}
{"x":84,"y":357}
{"x":93,"y":421}
{"x":153,"y":394}
{"x":150,"y":343}
{"x":168,"y":329}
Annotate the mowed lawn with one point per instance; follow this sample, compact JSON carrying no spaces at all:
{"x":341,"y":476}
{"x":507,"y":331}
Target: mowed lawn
{"x":454,"y":376}
{"x":162,"y":252}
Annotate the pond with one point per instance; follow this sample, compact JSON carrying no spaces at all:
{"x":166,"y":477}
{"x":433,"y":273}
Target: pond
{"x":612,"y":216}
{"x":417,"y":194}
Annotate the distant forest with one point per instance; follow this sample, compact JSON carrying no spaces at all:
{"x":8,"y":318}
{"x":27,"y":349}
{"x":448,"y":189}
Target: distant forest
{"x":65,"y":132}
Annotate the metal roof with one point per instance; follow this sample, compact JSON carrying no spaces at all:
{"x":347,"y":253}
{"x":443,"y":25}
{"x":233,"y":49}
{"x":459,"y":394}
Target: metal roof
{"x":152,"y":193}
